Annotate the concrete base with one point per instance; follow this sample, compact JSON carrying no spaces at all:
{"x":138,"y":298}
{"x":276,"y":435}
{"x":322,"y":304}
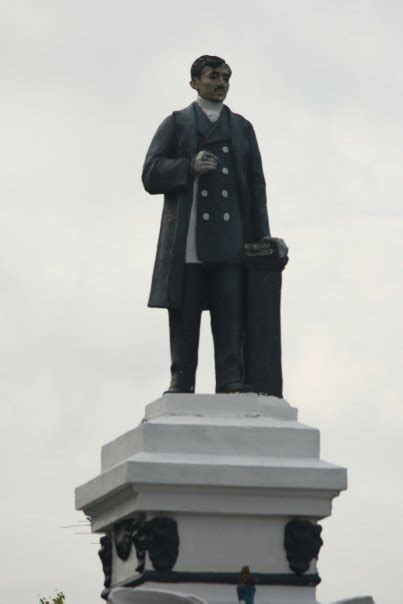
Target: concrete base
{"x":231,"y":470}
{"x":161,"y":596}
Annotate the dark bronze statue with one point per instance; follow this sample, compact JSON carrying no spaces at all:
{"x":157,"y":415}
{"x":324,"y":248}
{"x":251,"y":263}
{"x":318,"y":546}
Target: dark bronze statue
{"x":205,"y":160}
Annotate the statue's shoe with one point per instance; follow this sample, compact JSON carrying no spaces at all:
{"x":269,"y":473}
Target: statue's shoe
{"x":180,"y":390}
{"x":234,"y":388}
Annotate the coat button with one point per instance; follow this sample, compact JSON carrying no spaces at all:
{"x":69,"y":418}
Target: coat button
{"x":224,"y":170}
{"x":206,"y":216}
{"x":225,"y":149}
{"x":226,"y":216}
{"x":224,"y":193}
{"x":204,"y":193}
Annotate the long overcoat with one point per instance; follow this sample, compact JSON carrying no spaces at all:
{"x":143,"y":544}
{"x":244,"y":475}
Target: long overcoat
{"x":167,"y":171}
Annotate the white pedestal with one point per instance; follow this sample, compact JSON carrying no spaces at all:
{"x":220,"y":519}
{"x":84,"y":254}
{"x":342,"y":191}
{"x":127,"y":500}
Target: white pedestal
{"x":231,"y":471}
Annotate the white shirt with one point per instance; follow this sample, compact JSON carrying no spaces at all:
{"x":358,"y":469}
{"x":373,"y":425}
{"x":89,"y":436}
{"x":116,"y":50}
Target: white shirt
{"x":210,"y":108}
{"x":213,"y":112}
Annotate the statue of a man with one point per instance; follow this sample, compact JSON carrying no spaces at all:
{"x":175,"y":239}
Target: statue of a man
{"x":206,"y":161}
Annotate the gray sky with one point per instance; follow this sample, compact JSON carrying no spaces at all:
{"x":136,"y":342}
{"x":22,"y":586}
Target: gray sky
{"x":84,"y":86}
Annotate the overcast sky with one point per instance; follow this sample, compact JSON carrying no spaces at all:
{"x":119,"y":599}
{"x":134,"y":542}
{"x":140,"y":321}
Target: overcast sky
{"x":84,"y":85}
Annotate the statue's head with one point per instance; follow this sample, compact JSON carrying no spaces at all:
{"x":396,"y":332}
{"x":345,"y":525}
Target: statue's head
{"x":210,"y":77}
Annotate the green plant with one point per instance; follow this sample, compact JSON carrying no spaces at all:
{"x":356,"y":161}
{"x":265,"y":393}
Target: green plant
{"x":59,"y":598}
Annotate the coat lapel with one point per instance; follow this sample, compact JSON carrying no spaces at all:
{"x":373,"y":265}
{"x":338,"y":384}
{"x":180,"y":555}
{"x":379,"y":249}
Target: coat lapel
{"x":219,"y":130}
{"x":204,"y":125}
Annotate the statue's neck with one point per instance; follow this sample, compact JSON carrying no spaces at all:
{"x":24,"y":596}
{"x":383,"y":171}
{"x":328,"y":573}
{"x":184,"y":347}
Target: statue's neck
{"x":210,"y":108}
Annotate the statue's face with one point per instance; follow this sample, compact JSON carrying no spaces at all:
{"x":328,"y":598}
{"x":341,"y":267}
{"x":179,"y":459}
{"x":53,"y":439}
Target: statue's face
{"x":213,"y":83}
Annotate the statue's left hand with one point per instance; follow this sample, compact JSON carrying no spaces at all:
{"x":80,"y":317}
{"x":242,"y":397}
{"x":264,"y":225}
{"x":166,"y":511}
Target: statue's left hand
{"x":279,"y":244}
{"x":267,"y":246}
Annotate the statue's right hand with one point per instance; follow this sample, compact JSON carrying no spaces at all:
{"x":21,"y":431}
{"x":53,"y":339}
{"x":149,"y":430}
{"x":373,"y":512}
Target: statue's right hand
{"x":203,"y":162}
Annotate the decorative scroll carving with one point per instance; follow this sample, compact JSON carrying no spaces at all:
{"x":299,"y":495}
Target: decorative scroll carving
{"x":105,"y":553}
{"x":302,"y":542}
{"x":160,"y":538}
{"x":123,"y":537}
{"x":163,"y":543}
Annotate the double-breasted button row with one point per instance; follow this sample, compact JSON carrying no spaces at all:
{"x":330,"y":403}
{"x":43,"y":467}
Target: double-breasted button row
{"x":226,"y":216}
{"x":204,"y":193}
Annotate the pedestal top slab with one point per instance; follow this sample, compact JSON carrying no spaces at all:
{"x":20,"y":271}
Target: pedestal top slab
{"x":252,"y":405}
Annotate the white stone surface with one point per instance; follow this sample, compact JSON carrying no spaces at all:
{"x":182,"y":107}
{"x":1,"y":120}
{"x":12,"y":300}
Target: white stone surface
{"x":250,"y":436}
{"x":224,"y":542}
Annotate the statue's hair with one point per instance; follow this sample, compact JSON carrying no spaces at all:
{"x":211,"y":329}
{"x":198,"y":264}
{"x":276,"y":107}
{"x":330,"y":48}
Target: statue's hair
{"x":206,"y":61}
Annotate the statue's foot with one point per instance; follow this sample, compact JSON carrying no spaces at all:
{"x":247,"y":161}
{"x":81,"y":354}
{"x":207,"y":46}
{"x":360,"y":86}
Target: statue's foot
{"x":234,"y":388}
{"x":180,"y":390}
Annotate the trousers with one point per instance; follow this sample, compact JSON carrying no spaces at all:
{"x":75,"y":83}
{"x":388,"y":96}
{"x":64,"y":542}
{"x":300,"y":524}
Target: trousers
{"x":219,"y":288}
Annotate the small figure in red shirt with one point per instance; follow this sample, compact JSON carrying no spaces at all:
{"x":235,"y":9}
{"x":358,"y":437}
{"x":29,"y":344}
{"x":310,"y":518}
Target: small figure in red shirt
{"x":246,"y":586}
